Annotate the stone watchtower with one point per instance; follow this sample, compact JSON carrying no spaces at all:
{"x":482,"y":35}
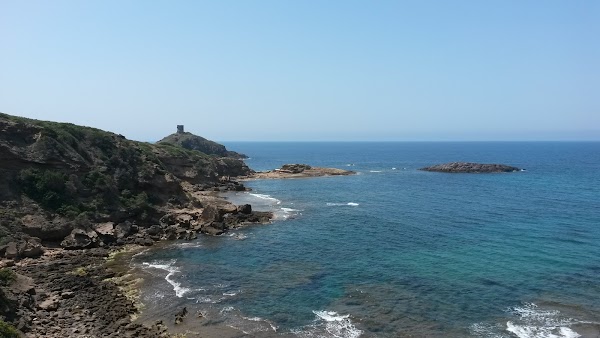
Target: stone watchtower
{"x":180,"y":129}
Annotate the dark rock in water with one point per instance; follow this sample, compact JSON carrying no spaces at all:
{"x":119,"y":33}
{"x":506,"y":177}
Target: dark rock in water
{"x":469,"y":167}
{"x":244,"y":209}
{"x":180,"y":315}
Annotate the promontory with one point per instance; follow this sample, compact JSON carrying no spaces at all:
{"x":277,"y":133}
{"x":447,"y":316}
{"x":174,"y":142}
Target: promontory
{"x":299,"y":171}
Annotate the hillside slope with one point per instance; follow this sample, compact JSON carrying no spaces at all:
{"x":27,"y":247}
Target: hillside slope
{"x":56,"y":177}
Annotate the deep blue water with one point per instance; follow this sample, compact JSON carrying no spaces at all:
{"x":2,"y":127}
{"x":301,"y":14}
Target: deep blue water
{"x":401,"y":252}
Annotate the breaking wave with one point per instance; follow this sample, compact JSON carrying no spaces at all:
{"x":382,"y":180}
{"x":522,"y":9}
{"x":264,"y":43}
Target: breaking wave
{"x":329,"y":324}
{"x":172,"y":270}
{"x":352,"y":204}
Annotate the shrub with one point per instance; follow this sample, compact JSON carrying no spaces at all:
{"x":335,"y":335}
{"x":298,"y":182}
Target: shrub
{"x":7,"y":330}
{"x":45,"y":187}
{"x":6,"y":277}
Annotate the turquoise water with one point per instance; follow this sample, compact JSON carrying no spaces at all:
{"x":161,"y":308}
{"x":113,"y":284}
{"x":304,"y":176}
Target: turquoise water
{"x":394,"y":251}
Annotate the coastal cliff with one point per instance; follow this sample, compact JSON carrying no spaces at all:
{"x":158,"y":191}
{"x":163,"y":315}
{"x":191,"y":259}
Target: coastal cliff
{"x":68,"y":193}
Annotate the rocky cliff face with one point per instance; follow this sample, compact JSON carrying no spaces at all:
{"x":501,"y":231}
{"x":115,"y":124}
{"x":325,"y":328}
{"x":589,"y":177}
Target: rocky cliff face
{"x":59,"y":177}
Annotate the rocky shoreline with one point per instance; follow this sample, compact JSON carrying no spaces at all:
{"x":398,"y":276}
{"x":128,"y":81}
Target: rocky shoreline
{"x":70,"y":291}
{"x":72,"y":196}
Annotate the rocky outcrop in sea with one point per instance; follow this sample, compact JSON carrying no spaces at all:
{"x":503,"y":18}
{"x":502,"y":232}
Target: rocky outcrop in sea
{"x":470,"y":167}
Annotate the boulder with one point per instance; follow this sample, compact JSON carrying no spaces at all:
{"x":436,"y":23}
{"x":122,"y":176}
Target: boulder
{"x":32,"y":247}
{"x":80,"y":238}
{"x":211,"y":214}
{"x":49,"y":304}
{"x":106,"y":231}
{"x":214,"y":228}
{"x":154,"y":230}
{"x":12,"y":250}
{"x":123,"y":230}
{"x":228,"y":208}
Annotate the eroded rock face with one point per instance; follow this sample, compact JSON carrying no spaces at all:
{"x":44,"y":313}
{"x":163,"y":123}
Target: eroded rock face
{"x":470,"y":167}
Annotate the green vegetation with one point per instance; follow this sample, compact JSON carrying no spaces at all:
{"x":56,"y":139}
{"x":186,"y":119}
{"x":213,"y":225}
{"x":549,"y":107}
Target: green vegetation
{"x":80,"y":271}
{"x":7,"y":330}
{"x":46,"y":187}
{"x":74,"y":170}
{"x":7,"y":276}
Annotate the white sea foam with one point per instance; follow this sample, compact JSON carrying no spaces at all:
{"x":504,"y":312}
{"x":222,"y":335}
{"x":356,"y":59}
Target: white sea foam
{"x":285,"y":213}
{"x":266,"y":197}
{"x":393,"y":168}
{"x":375,"y":171}
{"x":208,"y":300}
{"x":352,"y":204}
{"x":534,"y":322}
{"x":231,"y":293}
{"x":237,"y":236}
{"x":172,"y":270}
{"x":226,"y":309}
{"x":189,"y":245}
{"x":330,"y":324}
{"x":529,"y":321}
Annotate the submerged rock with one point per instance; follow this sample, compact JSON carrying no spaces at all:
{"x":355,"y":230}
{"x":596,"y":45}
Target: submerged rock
{"x":470,"y":167}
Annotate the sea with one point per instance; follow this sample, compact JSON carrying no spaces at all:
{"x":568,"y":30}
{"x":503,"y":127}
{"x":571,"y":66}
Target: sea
{"x":397,"y":252}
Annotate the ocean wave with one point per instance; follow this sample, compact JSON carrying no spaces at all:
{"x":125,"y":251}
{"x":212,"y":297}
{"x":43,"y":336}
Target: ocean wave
{"x":172,"y":270}
{"x":231,"y":293}
{"x":266,"y":197}
{"x":329,"y":324}
{"x":534,"y":322}
{"x":285,"y":213}
{"x":188,"y":245}
{"x":237,"y":236}
{"x":375,"y":171}
{"x":208,"y":300}
{"x":352,"y":204}
{"x":248,"y":325}
{"x":529,"y":321}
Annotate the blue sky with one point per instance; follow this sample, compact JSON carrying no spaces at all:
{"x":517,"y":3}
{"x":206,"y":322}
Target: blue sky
{"x":307,"y":70}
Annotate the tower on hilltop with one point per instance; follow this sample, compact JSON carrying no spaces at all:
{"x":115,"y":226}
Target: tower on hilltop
{"x":180,"y":129}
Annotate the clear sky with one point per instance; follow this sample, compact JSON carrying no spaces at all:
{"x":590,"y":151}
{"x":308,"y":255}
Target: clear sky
{"x":307,"y":70}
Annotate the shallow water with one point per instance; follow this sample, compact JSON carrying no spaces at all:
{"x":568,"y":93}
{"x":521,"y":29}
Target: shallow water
{"x":394,"y":251}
